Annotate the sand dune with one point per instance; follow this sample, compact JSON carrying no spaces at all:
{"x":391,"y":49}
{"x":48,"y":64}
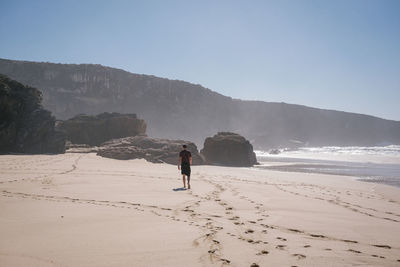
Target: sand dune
{"x":84,"y":210}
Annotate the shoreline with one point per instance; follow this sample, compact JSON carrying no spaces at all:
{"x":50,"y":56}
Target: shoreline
{"x":84,"y":210}
{"x":376,"y":172}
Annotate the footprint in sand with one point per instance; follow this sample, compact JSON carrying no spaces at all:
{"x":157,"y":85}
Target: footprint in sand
{"x":295,"y":230}
{"x":354,"y":251}
{"x":349,"y":241}
{"x":320,"y":236}
{"x":263,"y":252}
{"x":383,"y":246}
{"x":225,"y":261}
{"x":376,"y":256}
{"x":299,"y":256}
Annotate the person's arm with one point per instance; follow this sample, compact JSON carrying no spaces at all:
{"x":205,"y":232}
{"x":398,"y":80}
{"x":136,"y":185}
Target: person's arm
{"x":190,"y":160}
{"x":179,"y":162}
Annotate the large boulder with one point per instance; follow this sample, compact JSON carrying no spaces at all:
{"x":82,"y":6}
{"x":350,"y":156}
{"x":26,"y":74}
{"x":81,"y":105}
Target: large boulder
{"x":228,"y":149}
{"x":25,"y":127}
{"x":94,"y":130}
{"x":152,"y":149}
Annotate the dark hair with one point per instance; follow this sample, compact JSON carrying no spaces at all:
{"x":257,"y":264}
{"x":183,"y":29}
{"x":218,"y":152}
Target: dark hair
{"x":184,"y":146}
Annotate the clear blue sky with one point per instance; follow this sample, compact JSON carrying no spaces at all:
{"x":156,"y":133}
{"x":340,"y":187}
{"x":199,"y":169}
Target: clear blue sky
{"x":342,"y":55}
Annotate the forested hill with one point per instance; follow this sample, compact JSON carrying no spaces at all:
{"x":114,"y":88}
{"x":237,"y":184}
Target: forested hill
{"x":181,"y":110}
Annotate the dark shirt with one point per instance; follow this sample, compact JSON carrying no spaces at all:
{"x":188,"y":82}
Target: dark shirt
{"x":185,"y":155}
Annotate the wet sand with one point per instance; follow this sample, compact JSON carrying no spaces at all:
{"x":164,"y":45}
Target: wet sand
{"x":84,"y":210}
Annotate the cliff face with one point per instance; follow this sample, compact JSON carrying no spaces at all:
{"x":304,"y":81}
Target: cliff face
{"x":293,"y":125}
{"x":172,"y":109}
{"x":180,"y":110}
{"x":25,"y":127}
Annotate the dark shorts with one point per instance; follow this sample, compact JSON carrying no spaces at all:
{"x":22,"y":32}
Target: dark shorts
{"x":185,"y":168}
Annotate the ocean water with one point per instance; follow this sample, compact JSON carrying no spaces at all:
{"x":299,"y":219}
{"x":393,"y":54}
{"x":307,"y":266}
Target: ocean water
{"x":370,"y":164}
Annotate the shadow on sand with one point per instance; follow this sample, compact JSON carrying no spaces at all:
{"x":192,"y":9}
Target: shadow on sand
{"x":179,"y":189}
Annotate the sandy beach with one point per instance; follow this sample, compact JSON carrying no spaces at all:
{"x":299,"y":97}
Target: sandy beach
{"x":84,"y":210}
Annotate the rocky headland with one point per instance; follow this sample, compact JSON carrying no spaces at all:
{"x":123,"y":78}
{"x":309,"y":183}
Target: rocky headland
{"x":180,"y":110}
{"x":25,"y":126}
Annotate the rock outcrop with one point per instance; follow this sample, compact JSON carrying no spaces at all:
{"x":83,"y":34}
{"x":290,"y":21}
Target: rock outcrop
{"x":25,"y":127}
{"x":228,"y":149}
{"x":152,"y":149}
{"x":94,"y":130}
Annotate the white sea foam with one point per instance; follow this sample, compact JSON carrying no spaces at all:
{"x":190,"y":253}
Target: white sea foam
{"x":378,"y":164}
{"x":392,"y":150}
{"x":383,"y":154}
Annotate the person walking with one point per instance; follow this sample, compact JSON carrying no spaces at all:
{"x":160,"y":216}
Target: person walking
{"x":185,"y":160}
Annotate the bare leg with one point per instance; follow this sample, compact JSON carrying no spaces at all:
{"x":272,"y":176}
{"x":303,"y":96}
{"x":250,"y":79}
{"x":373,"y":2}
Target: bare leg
{"x":188,"y":182}
{"x":184,"y":181}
